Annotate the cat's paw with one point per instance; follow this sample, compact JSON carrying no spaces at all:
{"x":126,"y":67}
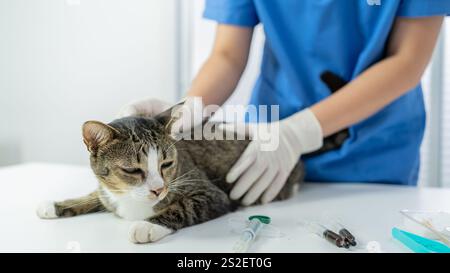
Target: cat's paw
{"x":144,"y":232}
{"x":46,"y":210}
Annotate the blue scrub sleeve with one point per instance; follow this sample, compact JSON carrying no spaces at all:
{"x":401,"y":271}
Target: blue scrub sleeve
{"x":232,"y":12}
{"x":423,"y":8}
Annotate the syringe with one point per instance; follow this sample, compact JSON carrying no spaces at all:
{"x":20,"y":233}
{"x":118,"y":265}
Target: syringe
{"x":332,"y":237}
{"x":255,"y":224}
{"x":344,"y":232}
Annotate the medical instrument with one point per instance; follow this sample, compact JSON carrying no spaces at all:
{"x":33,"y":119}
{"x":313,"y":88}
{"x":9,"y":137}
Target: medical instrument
{"x":336,"y":239}
{"x":343,"y":231}
{"x":237,"y":226}
{"x":329,"y":235}
{"x":348,"y":236}
{"x":255,"y":224}
{"x":337,"y":226}
{"x":418,"y":243}
{"x":436,"y":223}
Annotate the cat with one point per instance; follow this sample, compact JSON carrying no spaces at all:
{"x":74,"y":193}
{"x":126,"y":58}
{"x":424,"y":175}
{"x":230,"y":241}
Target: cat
{"x":161,"y":183}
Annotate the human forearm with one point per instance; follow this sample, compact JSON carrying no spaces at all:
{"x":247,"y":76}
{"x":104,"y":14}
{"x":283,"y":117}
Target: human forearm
{"x":220,"y":74}
{"x":374,"y":89}
{"x":408,"y":54}
{"x":216,"y":80}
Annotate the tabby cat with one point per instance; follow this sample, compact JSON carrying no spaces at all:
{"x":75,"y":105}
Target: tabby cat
{"x":163,"y":184}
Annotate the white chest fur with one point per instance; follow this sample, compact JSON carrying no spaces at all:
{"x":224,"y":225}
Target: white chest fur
{"x":129,"y":207}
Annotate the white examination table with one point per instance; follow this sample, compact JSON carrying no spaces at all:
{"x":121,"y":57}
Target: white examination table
{"x":369,"y":210}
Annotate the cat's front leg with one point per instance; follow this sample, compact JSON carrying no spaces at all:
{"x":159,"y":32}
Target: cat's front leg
{"x":201,"y":206}
{"x":71,"y":207}
{"x":142,"y":232}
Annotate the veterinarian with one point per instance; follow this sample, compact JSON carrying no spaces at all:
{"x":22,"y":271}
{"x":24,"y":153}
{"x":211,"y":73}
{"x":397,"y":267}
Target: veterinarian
{"x":382,"y":47}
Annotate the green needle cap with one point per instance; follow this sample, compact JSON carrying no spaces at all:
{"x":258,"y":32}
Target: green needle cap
{"x":262,"y":218}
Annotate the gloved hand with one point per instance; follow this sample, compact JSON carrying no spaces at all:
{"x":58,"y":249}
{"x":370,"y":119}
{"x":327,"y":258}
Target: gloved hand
{"x":146,"y":107}
{"x":264,"y":168}
{"x":191,"y":113}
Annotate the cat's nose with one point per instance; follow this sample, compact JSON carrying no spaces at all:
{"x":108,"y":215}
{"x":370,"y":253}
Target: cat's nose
{"x":157,"y":192}
{"x":155,"y":186}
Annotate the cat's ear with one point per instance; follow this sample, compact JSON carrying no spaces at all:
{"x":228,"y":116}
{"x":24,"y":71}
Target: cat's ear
{"x":97,"y":134}
{"x":184,"y":116}
{"x":169,"y":116}
{"x":333,"y":81}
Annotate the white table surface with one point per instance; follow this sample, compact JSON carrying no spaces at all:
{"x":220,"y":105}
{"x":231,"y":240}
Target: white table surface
{"x":369,"y":210}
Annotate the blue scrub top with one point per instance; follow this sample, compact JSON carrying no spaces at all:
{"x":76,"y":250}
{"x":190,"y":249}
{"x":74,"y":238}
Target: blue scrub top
{"x":304,"y":38}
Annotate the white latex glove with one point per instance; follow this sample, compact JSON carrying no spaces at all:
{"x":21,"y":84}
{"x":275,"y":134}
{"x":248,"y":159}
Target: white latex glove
{"x":186,"y":116}
{"x":190,"y":114}
{"x":264,"y":168}
{"x":145,"y":107}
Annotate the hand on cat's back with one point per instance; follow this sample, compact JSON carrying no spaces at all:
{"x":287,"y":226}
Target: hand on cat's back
{"x":143,"y":108}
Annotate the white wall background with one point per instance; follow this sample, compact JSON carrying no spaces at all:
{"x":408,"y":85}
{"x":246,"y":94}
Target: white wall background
{"x":63,"y":62}
{"x":436,"y":148}
{"x":445,"y":102}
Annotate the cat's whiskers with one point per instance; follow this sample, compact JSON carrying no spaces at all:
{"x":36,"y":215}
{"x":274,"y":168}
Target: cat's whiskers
{"x":187,"y":180}
{"x":180,"y":177}
{"x":171,"y":145}
{"x":183,"y":182}
{"x":179,"y":186}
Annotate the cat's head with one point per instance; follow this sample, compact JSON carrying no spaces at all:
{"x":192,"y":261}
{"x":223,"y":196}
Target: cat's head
{"x":133,"y":156}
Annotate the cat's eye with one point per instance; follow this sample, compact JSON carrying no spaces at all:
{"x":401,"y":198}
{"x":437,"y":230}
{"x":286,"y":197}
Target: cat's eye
{"x":134,"y":171}
{"x":166,"y":164}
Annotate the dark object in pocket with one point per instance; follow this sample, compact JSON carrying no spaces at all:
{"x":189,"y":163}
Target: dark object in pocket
{"x":335,"y":141}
